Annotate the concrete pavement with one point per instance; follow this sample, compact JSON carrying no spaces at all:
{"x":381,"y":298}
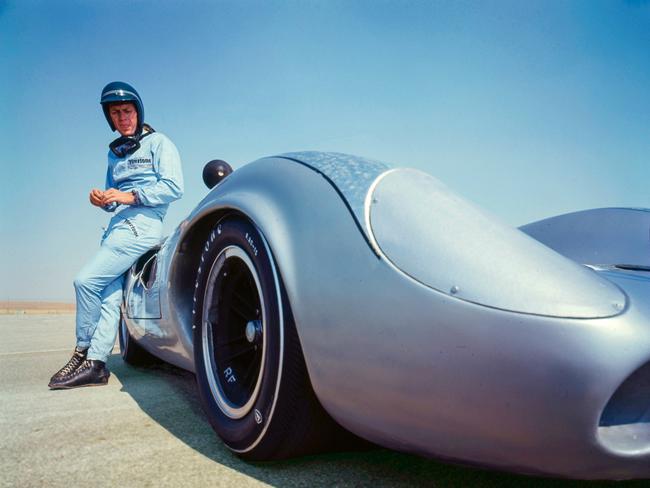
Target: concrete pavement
{"x":146,"y":428}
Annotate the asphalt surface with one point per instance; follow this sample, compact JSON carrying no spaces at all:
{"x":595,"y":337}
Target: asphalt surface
{"x":146,"y":428}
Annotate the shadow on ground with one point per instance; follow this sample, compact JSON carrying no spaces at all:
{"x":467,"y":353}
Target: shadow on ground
{"x":168,"y":395}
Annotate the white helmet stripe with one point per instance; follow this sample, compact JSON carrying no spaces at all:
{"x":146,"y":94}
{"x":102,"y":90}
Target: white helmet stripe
{"x":121,"y":93}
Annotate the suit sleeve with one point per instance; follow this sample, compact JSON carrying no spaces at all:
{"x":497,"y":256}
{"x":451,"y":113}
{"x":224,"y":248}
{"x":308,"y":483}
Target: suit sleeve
{"x":110,"y":184}
{"x":169,"y":184}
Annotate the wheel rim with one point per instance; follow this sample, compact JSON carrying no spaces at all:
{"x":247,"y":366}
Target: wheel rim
{"x":233,"y":332}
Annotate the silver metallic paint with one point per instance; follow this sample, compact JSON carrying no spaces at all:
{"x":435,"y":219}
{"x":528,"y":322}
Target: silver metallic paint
{"x":598,"y":236}
{"x":413,"y":368}
{"x":449,"y":244}
{"x":351,"y":175}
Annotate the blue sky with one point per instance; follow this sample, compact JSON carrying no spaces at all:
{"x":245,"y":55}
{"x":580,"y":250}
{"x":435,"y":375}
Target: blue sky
{"x":529,"y":109}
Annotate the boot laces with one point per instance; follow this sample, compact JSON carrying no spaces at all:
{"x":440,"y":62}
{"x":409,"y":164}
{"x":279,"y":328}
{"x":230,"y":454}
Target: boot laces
{"x":75,"y":361}
{"x":86,"y":364}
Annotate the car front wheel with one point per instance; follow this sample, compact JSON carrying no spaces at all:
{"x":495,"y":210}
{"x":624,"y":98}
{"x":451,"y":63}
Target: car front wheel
{"x":250,"y":371}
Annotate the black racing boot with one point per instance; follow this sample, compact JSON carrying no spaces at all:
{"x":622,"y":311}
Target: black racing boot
{"x":78,"y":357}
{"x":91,"y":373}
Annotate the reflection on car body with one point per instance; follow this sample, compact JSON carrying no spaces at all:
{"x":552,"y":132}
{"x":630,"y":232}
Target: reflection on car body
{"x":320,"y":294}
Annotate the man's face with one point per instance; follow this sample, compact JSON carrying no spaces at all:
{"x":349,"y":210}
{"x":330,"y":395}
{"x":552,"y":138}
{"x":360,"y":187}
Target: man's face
{"x":124,"y":117}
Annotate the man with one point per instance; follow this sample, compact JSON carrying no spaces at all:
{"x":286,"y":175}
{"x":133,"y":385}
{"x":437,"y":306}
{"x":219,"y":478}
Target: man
{"x":143,"y":177}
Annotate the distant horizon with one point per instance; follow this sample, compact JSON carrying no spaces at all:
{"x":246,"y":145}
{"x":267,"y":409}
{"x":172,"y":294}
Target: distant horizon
{"x":20,"y":307}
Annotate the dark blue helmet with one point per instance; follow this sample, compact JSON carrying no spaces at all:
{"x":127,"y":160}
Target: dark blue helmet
{"x":118,"y":91}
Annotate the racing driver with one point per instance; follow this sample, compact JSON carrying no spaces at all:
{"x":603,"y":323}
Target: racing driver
{"x":143,"y":177}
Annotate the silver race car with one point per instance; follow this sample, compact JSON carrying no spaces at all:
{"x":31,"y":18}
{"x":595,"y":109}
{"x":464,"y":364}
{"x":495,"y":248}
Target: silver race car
{"x":320,"y":294}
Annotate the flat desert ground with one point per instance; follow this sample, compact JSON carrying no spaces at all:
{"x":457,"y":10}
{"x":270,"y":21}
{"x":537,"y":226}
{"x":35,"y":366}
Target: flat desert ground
{"x":146,"y":429}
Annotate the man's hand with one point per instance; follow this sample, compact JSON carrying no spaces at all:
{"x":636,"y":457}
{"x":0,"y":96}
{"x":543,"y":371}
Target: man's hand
{"x":112,"y":195}
{"x":97,"y":197}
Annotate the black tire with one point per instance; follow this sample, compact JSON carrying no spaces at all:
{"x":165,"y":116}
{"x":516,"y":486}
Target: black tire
{"x":130,"y":351}
{"x":252,"y":379}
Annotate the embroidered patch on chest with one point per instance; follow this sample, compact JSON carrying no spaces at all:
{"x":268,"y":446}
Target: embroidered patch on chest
{"x":138,"y":163}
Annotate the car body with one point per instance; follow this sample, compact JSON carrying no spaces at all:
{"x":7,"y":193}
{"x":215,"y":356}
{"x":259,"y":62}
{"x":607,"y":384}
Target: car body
{"x":425,"y":325}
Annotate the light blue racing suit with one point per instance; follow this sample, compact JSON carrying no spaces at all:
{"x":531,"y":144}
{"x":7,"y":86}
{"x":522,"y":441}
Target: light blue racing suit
{"x":154,"y":172}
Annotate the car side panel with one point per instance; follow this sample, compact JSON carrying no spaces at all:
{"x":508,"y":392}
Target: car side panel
{"x":415,"y":369}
